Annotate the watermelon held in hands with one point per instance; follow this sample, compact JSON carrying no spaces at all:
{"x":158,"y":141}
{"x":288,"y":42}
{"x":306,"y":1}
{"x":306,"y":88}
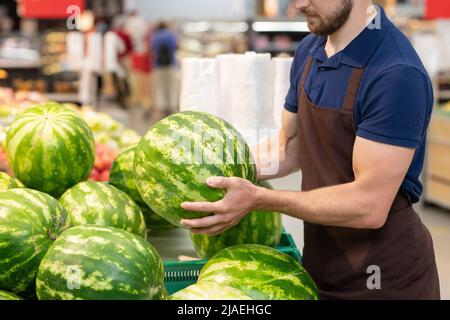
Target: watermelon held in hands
{"x":122,"y":177}
{"x":206,"y":290}
{"x":8,"y":296}
{"x":178,"y":154}
{"x":50,"y":148}
{"x":261,"y":272}
{"x":257,"y":227}
{"x":30,"y":221}
{"x":100,"y":263}
{"x":7,"y":182}
{"x":99,"y":203}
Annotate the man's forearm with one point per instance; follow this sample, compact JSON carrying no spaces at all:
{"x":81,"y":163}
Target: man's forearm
{"x":344,"y":205}
{"x":276,"y":157}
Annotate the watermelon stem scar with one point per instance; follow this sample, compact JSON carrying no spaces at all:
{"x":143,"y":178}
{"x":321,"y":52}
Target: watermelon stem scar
{"x":52,"y":235}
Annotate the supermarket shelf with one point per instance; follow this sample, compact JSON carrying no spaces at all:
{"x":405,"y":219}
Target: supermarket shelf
{"x":63,"y":97}
{"x":19,"y":64}
{"x":444,"y":94}
{"x":280,"y":26}
{"x":277,"y":48}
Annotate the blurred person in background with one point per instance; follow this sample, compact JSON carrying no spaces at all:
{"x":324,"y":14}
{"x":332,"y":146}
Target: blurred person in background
{"x":120,"y":78}
{"x":139,"y":30}
{"x":165,"y":82}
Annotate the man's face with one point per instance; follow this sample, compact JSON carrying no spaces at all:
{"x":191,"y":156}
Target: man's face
{"x":325,"y":17}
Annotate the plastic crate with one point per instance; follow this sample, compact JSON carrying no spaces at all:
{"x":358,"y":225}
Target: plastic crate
{"x":181,"y":274}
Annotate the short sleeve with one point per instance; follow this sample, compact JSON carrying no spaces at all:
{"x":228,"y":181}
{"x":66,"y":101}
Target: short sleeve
{"x":291,"y":103}
{"x":300,"y":57}
{"x":396,"y":107}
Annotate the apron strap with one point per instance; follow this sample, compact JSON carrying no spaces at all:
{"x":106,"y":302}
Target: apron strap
{"x":306,"y":72}
{"x":352,"y":89}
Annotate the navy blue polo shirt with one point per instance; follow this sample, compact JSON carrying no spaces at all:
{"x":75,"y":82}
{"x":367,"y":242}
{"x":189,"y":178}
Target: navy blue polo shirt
{"x":395,"y":98}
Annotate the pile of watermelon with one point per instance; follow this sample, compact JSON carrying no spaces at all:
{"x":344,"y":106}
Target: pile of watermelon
{"x":63,"y":236}
{"x":251,"y":272}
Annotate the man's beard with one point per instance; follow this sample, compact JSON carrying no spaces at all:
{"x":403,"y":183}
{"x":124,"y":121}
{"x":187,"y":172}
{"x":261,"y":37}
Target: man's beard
{"x":324,"y":28}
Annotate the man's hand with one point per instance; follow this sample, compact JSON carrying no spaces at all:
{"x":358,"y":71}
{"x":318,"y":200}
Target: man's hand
{"x":239,"y":200}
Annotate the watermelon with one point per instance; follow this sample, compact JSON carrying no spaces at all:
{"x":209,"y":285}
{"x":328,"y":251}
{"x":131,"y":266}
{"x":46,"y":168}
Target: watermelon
{"x":257,"y":227}
{"x":8,"y":296}
{"x":122,"y":177}
{"x":29,"y":223}
{"x":178,"y":154}
{"x":206,"y":290}
{"x":50,"y":148}
{"x":100,"y":263}
{"x":154,"y":221}
{"x":7,"y":182}
{"x":102,"y":204}
{"x":261,"y":272}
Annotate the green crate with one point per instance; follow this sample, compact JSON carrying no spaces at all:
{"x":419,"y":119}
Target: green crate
{"x":181,"y":274}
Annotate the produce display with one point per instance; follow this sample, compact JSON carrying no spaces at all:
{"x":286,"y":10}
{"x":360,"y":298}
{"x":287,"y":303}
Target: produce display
{"x":260,"y":272}
{"x":257,"y":227}
{"x":50,"y":148}
{"x":7,"y":182}
{"x":108,"y":131}
{"x":100,"y":263}
{"x":102,"y":204}
{"x":110,"y":136}
{"x":122,"y":177}
{"x":29,"y":223}
{"x":83,"y":192}
{"x":104,"y":157}
{"x":178,"y":154}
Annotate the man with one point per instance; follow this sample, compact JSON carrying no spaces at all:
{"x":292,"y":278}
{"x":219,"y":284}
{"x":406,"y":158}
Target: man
{"x":165,"y":77}
{"x":355,"y":123}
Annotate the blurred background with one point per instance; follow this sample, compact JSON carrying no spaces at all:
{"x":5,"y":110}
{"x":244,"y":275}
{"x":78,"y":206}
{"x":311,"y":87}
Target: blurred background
{"x":129,"y":63}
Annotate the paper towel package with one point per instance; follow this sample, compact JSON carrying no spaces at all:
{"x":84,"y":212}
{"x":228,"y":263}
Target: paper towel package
{"x":226,"y":76}
{"x":252,"y":93}
{"x":75,"y":50}
{"x":247,"y":90}
{"x":200,"y":86}
{"x":282,"y":67}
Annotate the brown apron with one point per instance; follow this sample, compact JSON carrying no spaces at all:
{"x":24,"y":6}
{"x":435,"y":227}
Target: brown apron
{"x":341,"y":260}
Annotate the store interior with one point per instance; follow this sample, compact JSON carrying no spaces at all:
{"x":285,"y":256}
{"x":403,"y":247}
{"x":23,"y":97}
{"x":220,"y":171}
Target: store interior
{"x":97,"y":56}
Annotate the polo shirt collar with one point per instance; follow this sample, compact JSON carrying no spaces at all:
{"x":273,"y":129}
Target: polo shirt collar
{"x":359,"y":51}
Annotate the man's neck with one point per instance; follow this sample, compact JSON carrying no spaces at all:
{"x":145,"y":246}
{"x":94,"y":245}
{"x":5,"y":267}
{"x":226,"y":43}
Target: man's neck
{"x":359,"y":18}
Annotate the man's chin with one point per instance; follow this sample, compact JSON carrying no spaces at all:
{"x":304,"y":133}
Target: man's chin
{"x":315,"y":29}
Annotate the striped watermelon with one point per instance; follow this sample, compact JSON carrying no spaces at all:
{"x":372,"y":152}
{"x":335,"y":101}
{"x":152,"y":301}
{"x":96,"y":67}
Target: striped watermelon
{"x":100,"y":263}
{"x":8,"y":296}
{"x":102,"y":204}
{"x":122,"y":177}
{"x":50,"y":148}
{"x":7,"y":182}
{"x":257,"y":227}
{"x":179,"y":153}
{"x":29,"y":223}
{"x":261,"y":272}
{"x":154,"y":221}
{"x":206,"y":290}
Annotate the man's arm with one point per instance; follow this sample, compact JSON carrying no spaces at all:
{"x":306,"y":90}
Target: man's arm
{"x":362,"y":204}
{"x":283,"y":149}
